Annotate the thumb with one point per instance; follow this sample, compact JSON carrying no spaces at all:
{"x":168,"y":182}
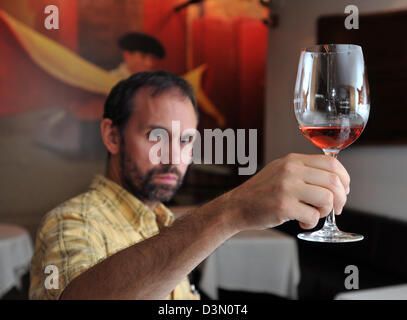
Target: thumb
{"x":306,"y":225}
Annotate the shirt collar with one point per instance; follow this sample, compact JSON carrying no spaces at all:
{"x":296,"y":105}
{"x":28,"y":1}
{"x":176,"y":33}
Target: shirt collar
{"x":131,"y":207}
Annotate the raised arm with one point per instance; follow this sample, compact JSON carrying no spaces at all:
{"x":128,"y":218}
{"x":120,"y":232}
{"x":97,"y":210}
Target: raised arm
{"x":296,"y":187}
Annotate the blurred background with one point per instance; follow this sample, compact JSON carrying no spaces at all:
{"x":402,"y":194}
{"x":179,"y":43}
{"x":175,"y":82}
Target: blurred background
{"x":248,"y":50}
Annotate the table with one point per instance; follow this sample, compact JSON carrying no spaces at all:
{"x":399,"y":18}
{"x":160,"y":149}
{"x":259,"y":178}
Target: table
{"x":254,"y":261}
{"x":397,"y":292}
{"x":16,"y":250}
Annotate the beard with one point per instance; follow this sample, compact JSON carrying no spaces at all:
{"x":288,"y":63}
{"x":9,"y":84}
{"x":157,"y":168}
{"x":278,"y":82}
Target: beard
{"x":142,"y":186}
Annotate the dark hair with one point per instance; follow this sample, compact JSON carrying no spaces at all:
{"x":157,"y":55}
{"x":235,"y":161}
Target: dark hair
{"x":119,"y":103}
{"x":136,"y":41}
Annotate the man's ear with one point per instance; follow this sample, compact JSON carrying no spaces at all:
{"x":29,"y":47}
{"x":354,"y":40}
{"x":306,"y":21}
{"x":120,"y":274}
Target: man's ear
{"x":110,"y":136}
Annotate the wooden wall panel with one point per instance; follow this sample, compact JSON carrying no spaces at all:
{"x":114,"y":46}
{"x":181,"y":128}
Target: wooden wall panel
{"x":385,"y":52}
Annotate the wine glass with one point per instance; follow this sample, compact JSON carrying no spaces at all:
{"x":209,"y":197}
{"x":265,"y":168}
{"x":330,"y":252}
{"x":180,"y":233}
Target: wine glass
{"x":332,"y":105}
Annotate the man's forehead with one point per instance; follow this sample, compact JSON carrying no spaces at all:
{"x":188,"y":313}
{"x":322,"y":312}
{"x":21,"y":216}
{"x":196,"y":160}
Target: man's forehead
{"x":169,"y":105}
{"x":153,"y":94}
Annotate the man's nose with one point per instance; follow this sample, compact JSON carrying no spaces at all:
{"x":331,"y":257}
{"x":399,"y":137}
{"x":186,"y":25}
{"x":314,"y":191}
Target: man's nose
{"x":174,"y":152}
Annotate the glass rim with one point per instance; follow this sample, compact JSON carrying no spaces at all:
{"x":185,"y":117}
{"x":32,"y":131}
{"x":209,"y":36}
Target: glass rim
{"x":331,"y":48}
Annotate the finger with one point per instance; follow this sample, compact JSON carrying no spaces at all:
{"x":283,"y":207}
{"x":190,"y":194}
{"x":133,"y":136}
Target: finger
{"x":330,"y":181}
{"x":318,"y":197}
{"x":328,"y":164}
{"x":306,"y":226}
{"x":305,"y":214}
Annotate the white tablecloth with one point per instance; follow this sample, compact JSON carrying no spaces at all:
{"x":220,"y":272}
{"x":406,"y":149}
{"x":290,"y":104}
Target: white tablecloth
{"x":254,"y":261}
{"x":15,"y":255}
{"x":397,"y":292}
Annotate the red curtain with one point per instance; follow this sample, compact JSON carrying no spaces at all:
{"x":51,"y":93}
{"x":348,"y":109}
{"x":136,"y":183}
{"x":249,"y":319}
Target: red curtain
{"x":234,"y":49}
{"x":170,"y":28}
{"x":236,"y":52}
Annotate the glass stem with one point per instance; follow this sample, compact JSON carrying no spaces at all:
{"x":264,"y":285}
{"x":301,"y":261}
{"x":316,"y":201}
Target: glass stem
{"x":330,"y":224}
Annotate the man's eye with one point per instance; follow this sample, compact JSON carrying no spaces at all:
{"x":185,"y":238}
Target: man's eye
{"x":187,"y":139}
{"x":154,"y":135}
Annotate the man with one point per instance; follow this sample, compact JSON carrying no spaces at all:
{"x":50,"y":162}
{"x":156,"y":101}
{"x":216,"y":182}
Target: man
{"x":118,"y":241}
{"x":140,"y":52}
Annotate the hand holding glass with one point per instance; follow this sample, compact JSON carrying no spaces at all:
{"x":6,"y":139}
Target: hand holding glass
{"x":332,"y":107}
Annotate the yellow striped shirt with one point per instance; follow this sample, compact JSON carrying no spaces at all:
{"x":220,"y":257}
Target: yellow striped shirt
{"x":89,"y":228}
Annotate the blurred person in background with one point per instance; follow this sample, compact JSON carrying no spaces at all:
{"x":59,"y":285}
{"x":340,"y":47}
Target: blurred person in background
{"x":140,"y":52}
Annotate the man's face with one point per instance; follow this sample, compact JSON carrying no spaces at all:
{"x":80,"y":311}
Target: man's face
{"x":148,"y":181}
{"x":138,"y":61}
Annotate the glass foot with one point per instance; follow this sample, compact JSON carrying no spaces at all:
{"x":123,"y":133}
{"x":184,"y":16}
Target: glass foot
{"x":330,"y":236}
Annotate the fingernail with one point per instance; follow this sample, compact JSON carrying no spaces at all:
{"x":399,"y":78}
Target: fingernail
{"x":347,"y":190}
{"x":339,"y":211}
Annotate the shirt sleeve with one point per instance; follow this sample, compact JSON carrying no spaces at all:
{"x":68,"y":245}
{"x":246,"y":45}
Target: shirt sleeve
{"x":69,"y":244}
